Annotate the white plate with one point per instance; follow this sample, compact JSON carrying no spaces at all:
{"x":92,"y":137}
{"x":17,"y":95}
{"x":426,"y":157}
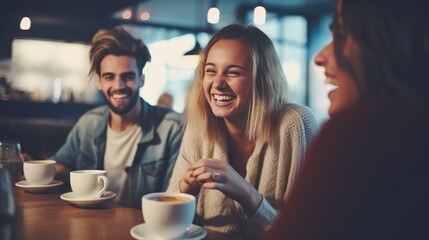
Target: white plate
{"x":38,"y":188}
{"x":70,"y":197}
{"x":142,"y":232}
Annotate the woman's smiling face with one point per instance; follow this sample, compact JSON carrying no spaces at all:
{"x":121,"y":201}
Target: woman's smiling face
{"x":226,"y":78}
{"x":346,"y":92}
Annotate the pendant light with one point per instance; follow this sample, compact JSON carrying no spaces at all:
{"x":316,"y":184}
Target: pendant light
{"x":25,"y":23}
{"x":259,"y":13}
{"x":191,"y":57}
{"x":213,"y":14}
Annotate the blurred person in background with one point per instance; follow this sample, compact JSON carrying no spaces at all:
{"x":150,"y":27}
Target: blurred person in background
{"x":165,"y":100}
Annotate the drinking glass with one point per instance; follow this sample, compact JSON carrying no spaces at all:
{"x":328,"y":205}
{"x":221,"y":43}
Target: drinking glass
{"x":7,"y":206}
{"x":7,"y":202}
{"x":10,"y":159}
{"x":10,"y":172}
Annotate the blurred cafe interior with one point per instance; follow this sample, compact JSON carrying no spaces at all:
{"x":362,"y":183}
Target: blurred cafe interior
{"x":44,"y":63}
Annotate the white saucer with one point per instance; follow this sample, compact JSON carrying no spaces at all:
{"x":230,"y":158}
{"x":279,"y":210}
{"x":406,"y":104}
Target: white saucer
{"x":142,"y":232}
{"x":38,"y":188}
{"x":70,"y":196}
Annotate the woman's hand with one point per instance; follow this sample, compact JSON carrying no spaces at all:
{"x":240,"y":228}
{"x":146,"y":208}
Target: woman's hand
{"x":189,"y":183}
{"x":216,"y":174}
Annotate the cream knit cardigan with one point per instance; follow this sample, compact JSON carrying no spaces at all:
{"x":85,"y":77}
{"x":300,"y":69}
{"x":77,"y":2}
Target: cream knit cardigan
{"x":271,"y":169}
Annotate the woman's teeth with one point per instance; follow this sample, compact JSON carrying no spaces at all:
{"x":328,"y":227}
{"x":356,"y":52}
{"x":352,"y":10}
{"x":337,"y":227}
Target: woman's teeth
{"x":223,"y":98}
{"x":330,"y":81}
{"x":333,"y":84}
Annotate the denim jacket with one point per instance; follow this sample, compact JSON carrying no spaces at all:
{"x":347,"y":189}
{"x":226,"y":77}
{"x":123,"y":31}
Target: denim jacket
{"x":155,"y":157}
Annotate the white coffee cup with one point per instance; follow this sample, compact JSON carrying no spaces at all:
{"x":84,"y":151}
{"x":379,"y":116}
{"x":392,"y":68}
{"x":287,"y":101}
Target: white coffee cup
{"x":39,"y":172}
{"x":89,"y":184}
{"x":168,"y":215}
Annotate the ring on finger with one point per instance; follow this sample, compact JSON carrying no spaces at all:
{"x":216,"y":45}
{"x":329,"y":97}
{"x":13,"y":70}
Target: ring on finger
{"x":216,"y":176}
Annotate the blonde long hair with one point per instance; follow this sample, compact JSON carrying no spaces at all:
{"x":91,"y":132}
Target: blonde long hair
{"x":268,"y":87}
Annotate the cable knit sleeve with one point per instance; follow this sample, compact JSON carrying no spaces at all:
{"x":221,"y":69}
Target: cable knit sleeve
{"x":297,"y":128}
{"x":261,"y":221}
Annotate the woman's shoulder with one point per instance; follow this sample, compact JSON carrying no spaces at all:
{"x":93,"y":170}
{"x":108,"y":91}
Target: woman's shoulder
{"x":298,"y":114}
{"x":374,"y":117}
{"x":192,"y":138}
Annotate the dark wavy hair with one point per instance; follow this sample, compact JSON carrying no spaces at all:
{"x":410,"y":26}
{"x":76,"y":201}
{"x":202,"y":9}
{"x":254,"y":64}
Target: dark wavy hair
{"x":117,"y":42}
{"x":393,"y":41}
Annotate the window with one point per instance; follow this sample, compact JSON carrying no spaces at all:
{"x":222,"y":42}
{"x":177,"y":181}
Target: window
{"x":167,"y":71}
{"x":52,"y":71}
{"x":289,"y":35}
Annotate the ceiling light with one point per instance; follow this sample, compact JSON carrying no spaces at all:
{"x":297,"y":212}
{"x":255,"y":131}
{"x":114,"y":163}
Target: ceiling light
{"x":127,"y":14}
{"x":259,"y":14}
{"x":213,"y":14}
{"x":25,"y":23}
{"x":189,"y":60}
{"x":191,"y":57}
{"x":144,"y":16}
{"x":196,"y":50}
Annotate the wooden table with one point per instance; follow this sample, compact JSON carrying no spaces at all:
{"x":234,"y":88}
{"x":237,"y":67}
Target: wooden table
{"x":46,"y":216}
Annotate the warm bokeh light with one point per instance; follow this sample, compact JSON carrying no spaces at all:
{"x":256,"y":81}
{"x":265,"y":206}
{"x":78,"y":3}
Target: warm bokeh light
{"x":127,"y":14}
{"x":144,"y":16}
{"x":25,"y":23}
{"x":213,"y":15}
{"x":259,"y":15}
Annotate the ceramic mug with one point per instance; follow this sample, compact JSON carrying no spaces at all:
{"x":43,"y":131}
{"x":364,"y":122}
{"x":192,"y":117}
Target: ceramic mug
{"x":39,"y":172}
{"x":89,"y":184}
{"x":168,"y":215}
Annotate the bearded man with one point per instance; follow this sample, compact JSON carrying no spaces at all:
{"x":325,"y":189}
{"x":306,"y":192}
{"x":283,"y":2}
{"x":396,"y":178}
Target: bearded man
{"x":136,"y":143}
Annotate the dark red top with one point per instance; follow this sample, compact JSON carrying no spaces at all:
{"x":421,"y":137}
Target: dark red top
{"x":366,"y":176}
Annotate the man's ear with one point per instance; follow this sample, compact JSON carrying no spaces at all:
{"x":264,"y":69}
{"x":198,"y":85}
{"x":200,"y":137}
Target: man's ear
{"x":142,"y":78}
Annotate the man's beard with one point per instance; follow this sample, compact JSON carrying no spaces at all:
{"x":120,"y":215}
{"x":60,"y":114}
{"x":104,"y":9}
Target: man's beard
{"x":126,"y":109}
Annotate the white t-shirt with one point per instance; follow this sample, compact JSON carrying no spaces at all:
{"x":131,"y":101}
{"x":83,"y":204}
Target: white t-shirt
{"x":120,"y":151}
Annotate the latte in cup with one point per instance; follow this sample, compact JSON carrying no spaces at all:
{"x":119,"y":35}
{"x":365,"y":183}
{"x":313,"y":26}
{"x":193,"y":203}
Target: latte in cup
{"x":171,"y":199}
{"x":168,"y":215}
{"x":39,"y":172}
